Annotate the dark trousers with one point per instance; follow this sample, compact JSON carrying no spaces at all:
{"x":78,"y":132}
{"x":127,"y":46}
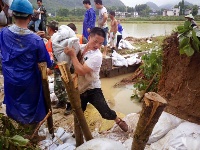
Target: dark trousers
{"x":119,"y":37}
{"x":96,"y":98}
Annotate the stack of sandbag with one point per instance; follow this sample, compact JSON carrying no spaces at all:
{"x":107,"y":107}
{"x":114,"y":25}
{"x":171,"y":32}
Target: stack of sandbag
{"x":119,"y":60}
{"x":61,"y":141}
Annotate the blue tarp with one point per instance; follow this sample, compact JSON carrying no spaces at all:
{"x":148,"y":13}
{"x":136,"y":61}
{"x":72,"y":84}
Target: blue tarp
{"x":20,"y":56}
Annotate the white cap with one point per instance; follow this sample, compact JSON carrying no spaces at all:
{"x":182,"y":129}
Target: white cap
{"x":189,"y":16}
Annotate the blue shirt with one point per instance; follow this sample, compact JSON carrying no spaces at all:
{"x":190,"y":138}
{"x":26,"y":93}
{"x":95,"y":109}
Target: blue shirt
{"x":120,"y":28}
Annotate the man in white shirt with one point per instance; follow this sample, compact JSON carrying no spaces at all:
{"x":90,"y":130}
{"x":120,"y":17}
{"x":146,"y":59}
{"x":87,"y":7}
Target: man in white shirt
{"x":89,"y":83}
{"x":102,"y":22}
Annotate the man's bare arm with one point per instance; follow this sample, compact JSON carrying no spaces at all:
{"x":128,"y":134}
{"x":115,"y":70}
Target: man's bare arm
{"x":105,"y":17}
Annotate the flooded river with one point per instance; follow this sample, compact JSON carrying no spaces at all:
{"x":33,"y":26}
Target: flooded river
{"x":119,"y":98}
{"x":141,"y":30}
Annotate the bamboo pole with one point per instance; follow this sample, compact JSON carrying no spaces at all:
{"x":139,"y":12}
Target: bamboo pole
{"x":45,"y":84}
{"x":74,"y":98}
{"x":153,"y":106}
{"x":40,"y":124}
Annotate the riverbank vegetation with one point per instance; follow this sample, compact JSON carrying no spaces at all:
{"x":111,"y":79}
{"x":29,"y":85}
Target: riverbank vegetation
{"x":14,"y":136}
{"x":160,"y":19}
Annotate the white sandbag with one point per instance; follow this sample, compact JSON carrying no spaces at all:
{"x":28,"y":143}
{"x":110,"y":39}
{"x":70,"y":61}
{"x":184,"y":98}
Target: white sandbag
{"x":159,"y":145}
{"x":43,"y":131}
{"x":60,"y":131}
{"x":131,"y":120}
{"x":65,"y":146}
{"x":50,"y":79}
{"x":47,"y":145}
{"x":125,"y":44}
{"x":128,"y":143}
{"x":174,"y":139}
{"x":3,"y":19}
{"x":133,"y":60}
{"x":51,"y":87}
{"x":165,"y":123}
{"x":118,"y":63}
{"x":117,"y":55}
{"x":101,"y":144}
{"x":65,"y":36}
{"x":53,"y":97}
{"x":185,"y":129}
{"x":118,"y":60}
{"x":192,"y":142}
{"x":71,"y":141}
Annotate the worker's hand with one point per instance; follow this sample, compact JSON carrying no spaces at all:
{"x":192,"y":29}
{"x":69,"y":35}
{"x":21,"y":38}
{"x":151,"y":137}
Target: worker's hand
{"x":35,"y":11}
{"x":70,"y":52}
{"x":49,"y":71}
{"x":41,"y":33}
{"x":88,"y":30}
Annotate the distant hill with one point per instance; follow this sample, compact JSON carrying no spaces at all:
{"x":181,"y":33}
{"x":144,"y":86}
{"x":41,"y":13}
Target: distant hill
{"x":153,"y":6}
{"x":188,"y":3}
{"x":52,"y":5}
{"x":167,"y":6}
{"x":170,"y":6}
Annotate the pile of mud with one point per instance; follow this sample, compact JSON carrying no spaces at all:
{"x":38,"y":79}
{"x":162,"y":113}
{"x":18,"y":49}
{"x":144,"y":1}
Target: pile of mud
{"x":179,"y":82}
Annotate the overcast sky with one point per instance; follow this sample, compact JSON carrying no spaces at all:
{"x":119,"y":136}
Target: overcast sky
{"x":132,"y":3}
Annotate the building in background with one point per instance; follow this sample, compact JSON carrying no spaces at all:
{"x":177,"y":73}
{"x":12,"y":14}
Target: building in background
{"x":172,"y":12}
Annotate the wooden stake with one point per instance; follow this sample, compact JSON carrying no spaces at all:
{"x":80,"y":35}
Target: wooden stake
{"x":153,"y":107}
{"x":45,"y":84}
{"x":74,"y":98}
{"x":150,"y":83}
{"x":78,"y":132}
{"x":136,"y":73}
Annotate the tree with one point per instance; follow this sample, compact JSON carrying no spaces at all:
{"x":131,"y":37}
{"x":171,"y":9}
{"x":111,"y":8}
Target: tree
{"x":143,"y":9}
{"x":63,"y":12}
{"x":182,"y":7}
{"x":121,"y":9}
{"x":195,"y":10}
{"x":79,"y":12}
{"x":130,"y":9}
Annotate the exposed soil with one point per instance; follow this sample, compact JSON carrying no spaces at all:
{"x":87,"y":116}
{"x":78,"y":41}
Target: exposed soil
{"x":179,"y":82}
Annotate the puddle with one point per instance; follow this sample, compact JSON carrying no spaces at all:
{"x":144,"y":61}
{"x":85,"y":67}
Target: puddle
{"x":119,"y":98}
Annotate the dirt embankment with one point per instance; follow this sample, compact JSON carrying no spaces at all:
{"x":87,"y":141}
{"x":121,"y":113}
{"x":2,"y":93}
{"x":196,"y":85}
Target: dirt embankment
{"x":179,"y":82}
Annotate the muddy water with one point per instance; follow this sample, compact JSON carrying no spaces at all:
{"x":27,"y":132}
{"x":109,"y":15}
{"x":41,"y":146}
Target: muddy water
{"x":140,"y":30}
{"x":119,"y":98}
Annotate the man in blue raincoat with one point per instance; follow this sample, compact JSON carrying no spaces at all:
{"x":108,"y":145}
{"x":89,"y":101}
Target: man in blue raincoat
{"x":21,"y":50}
{"x":89,"y":19}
